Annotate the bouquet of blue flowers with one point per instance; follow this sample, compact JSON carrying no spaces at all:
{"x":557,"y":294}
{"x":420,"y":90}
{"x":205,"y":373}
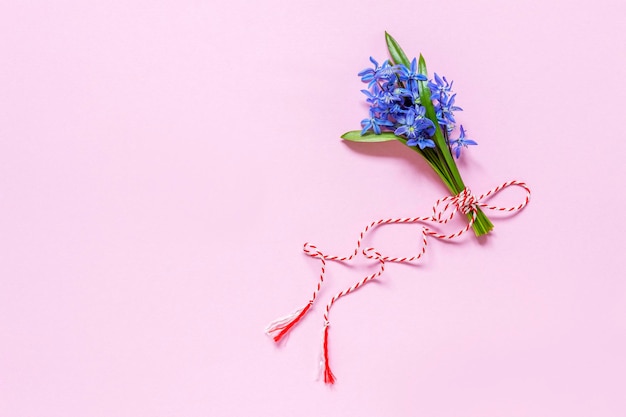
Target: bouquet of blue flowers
{"x":407,"y":106}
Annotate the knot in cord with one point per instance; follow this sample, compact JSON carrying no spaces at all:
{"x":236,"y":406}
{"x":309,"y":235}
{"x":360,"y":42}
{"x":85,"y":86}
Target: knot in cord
{"x":466,"y":201}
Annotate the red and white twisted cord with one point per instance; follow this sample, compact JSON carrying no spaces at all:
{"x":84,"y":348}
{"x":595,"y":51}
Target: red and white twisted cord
{"x":444,"y":210}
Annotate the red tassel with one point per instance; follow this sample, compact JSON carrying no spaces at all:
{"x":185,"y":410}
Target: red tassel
{"x":329,"y":378}
{"x":277,"y":329}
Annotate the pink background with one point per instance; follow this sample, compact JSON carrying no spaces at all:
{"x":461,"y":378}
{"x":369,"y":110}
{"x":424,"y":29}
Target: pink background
{"x":161,"y":164}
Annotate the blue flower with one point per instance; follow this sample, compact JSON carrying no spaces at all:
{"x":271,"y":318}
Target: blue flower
{"x":416,"y":128}
{"x":390,"y":94}
{"x":388,"y":71}
{"x":412,"y":94}
{"x":461,"y":142}
{"x":394,"y":110}
{"x":411,"y":75}
{"x":445,"y":110}
{"x":372,"y":96}
{"x":384,"y":72}
{"x":422,"y":141}
{"x":368,"y":75}
{"x":440,"y":89}
{"x":374,"y":123}
{"x":420,"y":114}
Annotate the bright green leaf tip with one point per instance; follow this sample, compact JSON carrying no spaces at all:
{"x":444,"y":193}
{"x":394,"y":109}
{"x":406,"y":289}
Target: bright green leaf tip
{"x":395,"y":51}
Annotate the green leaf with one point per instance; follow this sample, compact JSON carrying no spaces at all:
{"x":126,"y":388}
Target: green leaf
{"x":355,"y":136}
{"x":395,"y":51}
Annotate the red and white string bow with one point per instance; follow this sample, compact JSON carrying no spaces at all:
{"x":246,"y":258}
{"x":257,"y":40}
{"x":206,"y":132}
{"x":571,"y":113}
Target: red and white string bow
{"x":443,"y":211}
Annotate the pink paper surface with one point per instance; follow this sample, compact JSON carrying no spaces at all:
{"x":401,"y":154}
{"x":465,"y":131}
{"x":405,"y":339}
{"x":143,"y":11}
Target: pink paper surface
{"x":162,"y":163}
